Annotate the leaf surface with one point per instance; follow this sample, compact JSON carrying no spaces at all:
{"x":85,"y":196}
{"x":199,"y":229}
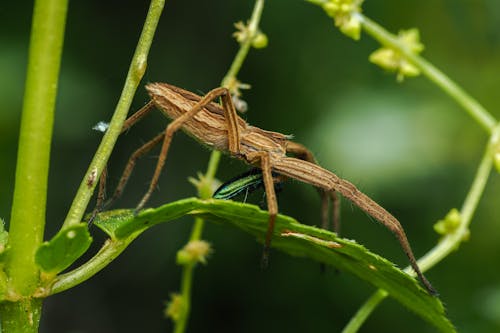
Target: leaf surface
{"x":295,"y":239}
{"x":63,"y":249}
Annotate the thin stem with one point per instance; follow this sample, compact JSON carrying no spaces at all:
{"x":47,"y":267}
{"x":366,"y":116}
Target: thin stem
{"x":364,"y":312}
{"x":110,"y":250}
{"x":186,"y":283}
{"x":446,"y":245}
{"x":240,"y":57}
{"x":451,"y":241}
{"x":196,"y":232}
{"x":472,"y":106}
{"x":134,"y":76}
{"x":30,"y":192}
{"x":213,"y":164}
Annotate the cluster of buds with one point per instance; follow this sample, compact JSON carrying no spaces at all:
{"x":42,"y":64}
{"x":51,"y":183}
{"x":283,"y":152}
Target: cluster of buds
{"x":175,"y":307}
{"x":244,"y":33}
{"x":193,"y":252}
{"x":449,"y":224}
{"x":348,"y":18}
{"x":393,"y":60}
{"x":344,"y":13}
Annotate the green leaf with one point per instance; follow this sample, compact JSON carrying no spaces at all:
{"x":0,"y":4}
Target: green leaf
{"x":63,"y":249}
{"x":293,"y":238}
{"x":119,"y":224}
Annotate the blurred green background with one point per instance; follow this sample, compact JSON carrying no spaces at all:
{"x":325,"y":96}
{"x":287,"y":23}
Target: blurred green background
{"x":407,"y":145}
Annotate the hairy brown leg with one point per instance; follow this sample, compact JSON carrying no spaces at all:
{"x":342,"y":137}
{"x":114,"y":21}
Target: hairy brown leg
{"x":233,"y":139}
{"x":101,"y":195}
{"x":175,"y":125}
{"x":129,"y":167}
{"x":233,"y":130}
{"x":325,"y":223}
{"x":335,"y":199}
{"x":301,"y":152}
{"x":272,"y":203}
{"x":137,"y":116}
{"x":313,"y":174}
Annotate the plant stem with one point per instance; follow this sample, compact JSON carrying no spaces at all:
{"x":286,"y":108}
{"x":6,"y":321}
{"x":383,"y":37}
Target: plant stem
{"x":30,"y":191}
{"x":196,"y":232}
{"x":446,"y":245}
{"x":240,"y":57}
{"x":475,"y":109}
{"x":451,"y":241}
{"x":134,"y":76}
{"x":364,"y":312}
{"x":472,"y":106}
{"x":110,"y":250}
{"x":21,"y":316}
{"x":186,"y":283}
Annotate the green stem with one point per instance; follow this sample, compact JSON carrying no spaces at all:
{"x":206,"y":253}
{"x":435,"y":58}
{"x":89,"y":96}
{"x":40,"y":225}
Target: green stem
{"x":134,"y":76}
{"x":213,"y":164}
{"x":110,"y":250}
{"x":473,"y":107}
{"x":450,"y":242}
{"x":21,"y":316}
{"x":447,"y":244}
{"x":240,"y":57}
{"x":196,"y":232}
{"x":364,"y":312}
{"x":30,"y":191}
{"x":186,"y":283}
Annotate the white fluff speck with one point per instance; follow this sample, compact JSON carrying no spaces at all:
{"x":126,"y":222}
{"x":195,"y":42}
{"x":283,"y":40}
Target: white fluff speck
{"x":101,"y":126}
